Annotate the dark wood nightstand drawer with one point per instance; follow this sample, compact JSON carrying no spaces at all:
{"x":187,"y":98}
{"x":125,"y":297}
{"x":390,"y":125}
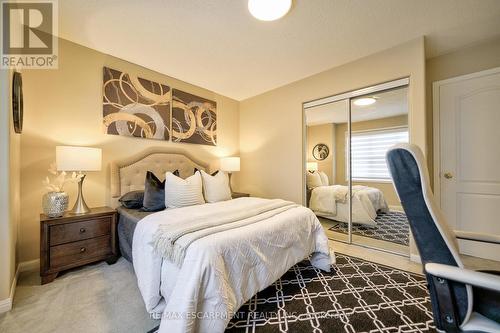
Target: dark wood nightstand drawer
{"x":76,"y":231}
{"x":72,"y":240}
{"x":77,"y":252}
{"x":236,"y":195}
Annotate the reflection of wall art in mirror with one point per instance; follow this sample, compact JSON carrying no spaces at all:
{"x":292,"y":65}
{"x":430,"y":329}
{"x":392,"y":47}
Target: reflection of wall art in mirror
{"x":194,"y":119}
{"x":136,"y":107}
{"x":321,"y":151}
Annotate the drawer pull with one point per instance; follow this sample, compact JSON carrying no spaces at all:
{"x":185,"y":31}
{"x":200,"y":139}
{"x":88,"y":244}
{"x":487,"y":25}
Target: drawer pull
{"x":82,"y":249}
{"x":82,"y":230}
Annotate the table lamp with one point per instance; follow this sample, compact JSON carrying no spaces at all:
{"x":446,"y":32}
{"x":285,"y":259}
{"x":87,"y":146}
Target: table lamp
{"x":78,"y":159}
{"x":230,"y":165}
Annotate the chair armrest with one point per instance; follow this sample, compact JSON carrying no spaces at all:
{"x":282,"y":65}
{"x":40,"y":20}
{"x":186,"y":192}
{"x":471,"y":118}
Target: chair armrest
{"x":476,"y":236}
{"x":466,"y":276}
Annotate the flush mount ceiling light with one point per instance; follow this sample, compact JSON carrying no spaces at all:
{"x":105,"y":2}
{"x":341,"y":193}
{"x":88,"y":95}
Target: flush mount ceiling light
{"x":364,"y":101}
{"x":269,"y":10}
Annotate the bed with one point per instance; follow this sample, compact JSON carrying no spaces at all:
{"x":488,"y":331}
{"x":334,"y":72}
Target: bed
{"x":198,"y":284}
{"x":127,"y":221}
{"x":331,"y":202}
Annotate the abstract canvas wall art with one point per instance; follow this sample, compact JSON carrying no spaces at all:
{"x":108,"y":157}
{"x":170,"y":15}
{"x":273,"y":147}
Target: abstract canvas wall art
{"x":194,"y":119}
{"x":133,"y":106}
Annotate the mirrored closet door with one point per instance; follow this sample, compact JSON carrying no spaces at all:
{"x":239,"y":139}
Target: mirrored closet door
{"x":348,"y":185}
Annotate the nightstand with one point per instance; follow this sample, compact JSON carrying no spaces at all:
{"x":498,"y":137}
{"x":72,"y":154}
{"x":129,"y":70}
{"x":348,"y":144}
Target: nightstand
{"x":75,"y":240}
{"x":236,"y":195}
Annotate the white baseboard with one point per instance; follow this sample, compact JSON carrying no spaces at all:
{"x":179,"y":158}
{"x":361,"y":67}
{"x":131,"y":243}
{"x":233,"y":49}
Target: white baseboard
{"x":415,"y":258}
{"x":25,"y":266}
{"x":29,"y":266}
{"x":6,"y":304}
{"x":393,"y":208}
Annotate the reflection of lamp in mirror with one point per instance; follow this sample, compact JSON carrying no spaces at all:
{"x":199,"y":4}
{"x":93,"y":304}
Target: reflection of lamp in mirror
{"x":230,"y":165}
{"x":78,"y":159}
{"x":312,"y":166}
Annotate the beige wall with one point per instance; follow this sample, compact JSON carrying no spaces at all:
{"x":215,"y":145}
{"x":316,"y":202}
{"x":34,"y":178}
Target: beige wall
{"x":271,"y":141}
{"x":322,"y":134}
{"x":64,"y":107}
{"x":475,"y":58}
{"x":15,"y":194}
{"x":5,"y":238}
{"x":340,"y":134}
{"x":9,"y":188}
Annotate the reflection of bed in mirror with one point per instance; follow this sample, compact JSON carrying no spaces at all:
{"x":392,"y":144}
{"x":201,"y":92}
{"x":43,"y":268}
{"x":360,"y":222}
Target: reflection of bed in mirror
{"x":332,"y":201}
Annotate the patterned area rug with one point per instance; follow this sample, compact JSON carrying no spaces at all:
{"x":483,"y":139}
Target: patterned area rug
{"x":357,"y":296}
{"x":392,"y":227}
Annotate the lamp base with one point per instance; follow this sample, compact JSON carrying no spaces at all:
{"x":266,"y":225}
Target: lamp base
{"x":80,"y":206}
{"x":230,"y":187}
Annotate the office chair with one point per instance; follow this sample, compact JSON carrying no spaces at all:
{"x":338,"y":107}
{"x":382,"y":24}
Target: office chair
{"x":462,"y":300}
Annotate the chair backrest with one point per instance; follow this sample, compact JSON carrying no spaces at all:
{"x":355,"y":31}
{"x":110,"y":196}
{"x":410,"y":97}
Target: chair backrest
{"x":435,"y":241}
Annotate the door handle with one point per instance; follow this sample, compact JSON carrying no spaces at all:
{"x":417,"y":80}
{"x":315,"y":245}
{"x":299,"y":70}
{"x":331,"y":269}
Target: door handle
{"x":448,"y":175}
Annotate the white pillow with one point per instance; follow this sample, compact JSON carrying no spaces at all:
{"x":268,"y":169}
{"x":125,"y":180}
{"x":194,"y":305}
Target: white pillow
{"x":216,"y":188}
{"x":313,"y":179}
{"x":183,"y":192}
{"x":324,"y":178}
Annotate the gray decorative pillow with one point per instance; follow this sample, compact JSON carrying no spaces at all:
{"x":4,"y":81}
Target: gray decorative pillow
{"x":154,"y":194}
{"x":196,"y":169}
{"x":132,"y":200}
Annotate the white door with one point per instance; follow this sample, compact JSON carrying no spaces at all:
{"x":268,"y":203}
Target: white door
{"x":469,"y":153}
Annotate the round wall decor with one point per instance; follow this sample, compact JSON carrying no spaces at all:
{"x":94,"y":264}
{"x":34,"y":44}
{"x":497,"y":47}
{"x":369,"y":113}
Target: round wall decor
{"x":321,"y":151}
{"x":17,"y":102}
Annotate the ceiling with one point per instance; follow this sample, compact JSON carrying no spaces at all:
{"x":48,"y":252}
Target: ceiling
{"x":389,"y":103}
{"x":216,"y":44}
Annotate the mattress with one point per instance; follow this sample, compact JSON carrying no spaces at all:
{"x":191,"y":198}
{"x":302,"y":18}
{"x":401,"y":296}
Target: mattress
{"x":127,"y":221}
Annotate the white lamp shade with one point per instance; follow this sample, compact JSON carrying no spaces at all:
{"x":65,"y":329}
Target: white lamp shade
{"x":312,"y":166}
{"x":230,"y":164}
{"x":69,"y":158}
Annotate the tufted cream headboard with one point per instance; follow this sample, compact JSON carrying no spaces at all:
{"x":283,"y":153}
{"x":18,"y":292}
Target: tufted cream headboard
{"x":129,"y":174}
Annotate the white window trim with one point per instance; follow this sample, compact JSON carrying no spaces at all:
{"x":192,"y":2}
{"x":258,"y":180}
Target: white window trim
{"x":347,"y":145}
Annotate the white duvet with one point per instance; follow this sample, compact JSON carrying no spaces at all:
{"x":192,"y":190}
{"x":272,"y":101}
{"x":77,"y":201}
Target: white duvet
{"x":332,"y":202}
{"x":222,"y":271}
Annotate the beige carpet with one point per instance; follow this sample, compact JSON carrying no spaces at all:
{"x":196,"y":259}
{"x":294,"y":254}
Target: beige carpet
{"x":96,"y":298}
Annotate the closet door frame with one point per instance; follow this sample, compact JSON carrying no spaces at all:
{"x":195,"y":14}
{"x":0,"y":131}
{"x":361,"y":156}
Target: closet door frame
{"x":350,"y":95}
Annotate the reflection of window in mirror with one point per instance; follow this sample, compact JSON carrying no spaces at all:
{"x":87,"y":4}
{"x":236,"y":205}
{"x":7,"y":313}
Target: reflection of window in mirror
{"x":378,"y":121}
{"x":368,"y":150}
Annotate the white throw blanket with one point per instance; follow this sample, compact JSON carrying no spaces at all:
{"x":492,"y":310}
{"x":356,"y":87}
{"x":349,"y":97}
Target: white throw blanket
{"x":324,"y":198}
{"x":332,"y":201}
{"x":172,"y":241}
{"x":222,"y":270}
